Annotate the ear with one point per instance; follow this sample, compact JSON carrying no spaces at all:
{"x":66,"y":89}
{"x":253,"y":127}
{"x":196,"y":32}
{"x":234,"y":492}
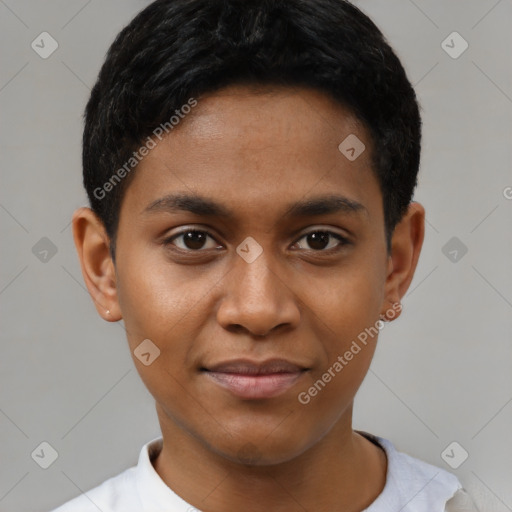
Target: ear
{"x":92,"y":244}
{"x":406,"y":244}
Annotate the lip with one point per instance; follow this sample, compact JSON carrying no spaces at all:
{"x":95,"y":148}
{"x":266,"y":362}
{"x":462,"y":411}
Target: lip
{"x":255,"y":380}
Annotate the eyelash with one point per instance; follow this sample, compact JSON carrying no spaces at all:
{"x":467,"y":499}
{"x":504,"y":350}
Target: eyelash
{"x":343,"y":241}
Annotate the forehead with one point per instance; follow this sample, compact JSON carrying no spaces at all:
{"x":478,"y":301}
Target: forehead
{"x":256,"y":151}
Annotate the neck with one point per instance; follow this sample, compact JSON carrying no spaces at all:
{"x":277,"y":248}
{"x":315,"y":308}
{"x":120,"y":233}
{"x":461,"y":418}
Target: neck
{"x":342,"y":471}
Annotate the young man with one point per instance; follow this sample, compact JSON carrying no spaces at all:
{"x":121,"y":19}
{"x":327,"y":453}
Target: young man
{"x":250,"y":167}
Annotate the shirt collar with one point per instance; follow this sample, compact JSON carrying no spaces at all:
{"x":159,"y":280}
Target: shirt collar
{"x":154,"y":493}
{"x":403,"y":476}
{"x":412,"y":485}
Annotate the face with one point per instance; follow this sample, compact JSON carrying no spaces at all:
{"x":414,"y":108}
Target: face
{"x":278,"y":253}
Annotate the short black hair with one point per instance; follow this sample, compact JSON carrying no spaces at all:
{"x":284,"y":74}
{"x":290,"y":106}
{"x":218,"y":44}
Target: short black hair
{"x":175,"y":50}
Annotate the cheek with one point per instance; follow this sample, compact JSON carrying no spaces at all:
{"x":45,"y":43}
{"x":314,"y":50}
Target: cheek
{"x":349,"y":345}
{"x":348,"y":301}
{"x":346,"y":310}
{"x":156,"y":309}
{"x":166,"y":305}
{"x":332,"y":389}
{"x":155,"y":294}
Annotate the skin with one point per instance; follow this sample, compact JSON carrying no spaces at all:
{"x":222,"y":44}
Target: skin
{"x":256,"y":153}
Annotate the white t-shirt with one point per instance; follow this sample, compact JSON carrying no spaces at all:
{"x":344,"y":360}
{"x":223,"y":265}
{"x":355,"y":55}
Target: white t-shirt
{"x":411,"y":486}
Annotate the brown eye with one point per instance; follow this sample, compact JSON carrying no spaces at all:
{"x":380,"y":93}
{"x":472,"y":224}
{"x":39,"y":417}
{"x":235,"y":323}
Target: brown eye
{"x":319,"y":240}
{"x":192,"y":240}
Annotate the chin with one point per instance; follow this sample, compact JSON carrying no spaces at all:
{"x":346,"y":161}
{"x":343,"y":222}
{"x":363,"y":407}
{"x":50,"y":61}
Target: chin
{"x":260,"y":450}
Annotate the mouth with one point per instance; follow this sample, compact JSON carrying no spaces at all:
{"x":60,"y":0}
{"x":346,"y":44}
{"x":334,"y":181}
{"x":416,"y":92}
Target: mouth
{"x":252,"y":380}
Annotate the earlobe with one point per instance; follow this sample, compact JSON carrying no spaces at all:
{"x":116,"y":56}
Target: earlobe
{"x":92,"y":245}
{"x":406,"y":245}
{"x":392,"y":312}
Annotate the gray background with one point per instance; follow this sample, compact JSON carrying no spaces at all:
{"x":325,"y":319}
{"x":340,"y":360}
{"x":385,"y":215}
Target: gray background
{"x":442,"y":372}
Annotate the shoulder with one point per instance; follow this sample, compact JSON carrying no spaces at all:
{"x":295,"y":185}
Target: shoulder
{"x":412,"y":485}
{"x":461,"y":502}
{"x":114,"y":494}
{"x":408,"y":469}
{"x":122,"y":493}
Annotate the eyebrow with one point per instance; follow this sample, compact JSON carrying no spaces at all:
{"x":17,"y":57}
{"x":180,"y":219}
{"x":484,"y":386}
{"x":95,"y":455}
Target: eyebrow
{"x":199,"y":205}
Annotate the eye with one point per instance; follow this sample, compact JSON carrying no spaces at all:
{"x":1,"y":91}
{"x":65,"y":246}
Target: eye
{"x":192,"y":240}
{"x":319,"y":241}
{"x":195,"y":240}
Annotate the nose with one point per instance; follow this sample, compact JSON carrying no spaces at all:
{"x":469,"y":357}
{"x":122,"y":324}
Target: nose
{"x":259,"y":299}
